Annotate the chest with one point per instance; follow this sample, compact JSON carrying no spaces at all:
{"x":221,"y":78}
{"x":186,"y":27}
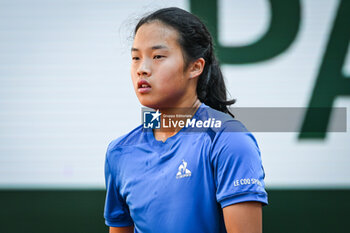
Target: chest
{"x":151,"y":178}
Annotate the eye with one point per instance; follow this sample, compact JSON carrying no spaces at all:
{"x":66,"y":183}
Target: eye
{"x":135,"y":58}
{"x":158,"y":56}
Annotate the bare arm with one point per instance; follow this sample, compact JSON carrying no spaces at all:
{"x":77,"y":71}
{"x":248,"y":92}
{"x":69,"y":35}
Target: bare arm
{"x":121,"y":229}
{"x":245,"y":217}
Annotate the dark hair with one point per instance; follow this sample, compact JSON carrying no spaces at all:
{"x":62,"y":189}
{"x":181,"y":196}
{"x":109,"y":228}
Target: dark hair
{"x":195,"y":42}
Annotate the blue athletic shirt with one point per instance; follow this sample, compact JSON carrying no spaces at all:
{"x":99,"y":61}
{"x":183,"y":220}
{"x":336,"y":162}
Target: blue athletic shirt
{"x":182,"y":184}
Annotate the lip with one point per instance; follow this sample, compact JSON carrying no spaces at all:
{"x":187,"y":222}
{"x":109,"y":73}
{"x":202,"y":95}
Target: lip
{"x":147,"y":87}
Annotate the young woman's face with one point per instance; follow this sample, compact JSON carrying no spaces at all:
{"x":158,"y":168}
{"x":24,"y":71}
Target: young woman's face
{"x":157,"y":68}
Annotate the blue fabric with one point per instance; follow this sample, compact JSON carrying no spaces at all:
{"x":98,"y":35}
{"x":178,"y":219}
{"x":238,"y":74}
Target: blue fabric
{"x":182,"y":184}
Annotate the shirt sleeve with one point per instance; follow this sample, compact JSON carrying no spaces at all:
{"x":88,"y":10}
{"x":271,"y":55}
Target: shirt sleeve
{"x":116,"y":212}
{"x":239,"y":174}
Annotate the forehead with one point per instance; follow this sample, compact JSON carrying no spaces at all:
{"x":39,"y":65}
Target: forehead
{"x":155,"y":34}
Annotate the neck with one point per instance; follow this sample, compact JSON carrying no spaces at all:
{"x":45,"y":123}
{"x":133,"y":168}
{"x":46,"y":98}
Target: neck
{"x":184,"y":109}
{"x":183,"y":113}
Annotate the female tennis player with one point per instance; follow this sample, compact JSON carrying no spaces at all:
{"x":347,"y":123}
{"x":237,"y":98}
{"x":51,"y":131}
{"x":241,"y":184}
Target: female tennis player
{"x":180,"y":179}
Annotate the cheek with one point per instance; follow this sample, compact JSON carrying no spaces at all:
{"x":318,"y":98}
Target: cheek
{"x":170,"y":75}
{"x":133,"y":78}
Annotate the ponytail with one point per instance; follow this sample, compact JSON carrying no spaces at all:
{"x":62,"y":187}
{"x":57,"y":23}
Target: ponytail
{"x":211,"y":88}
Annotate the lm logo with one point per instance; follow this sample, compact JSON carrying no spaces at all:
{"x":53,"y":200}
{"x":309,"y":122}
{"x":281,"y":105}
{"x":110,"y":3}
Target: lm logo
{"x":151,"y":119}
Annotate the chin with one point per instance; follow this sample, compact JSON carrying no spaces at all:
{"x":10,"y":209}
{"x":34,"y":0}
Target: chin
{"x":148,"y":103}
{"x":155,"y":103}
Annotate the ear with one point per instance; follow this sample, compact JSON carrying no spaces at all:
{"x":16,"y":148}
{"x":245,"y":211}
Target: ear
{"x":196,"y":68}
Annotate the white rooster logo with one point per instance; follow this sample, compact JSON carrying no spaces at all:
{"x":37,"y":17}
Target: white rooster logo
{"x":183,"y":171}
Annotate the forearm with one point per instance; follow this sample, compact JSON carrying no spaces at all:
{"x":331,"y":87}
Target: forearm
{"x":121,"y":229}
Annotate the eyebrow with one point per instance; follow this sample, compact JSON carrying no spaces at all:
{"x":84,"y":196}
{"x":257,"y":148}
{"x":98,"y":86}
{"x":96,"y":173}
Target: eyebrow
{"x":152,"y":48}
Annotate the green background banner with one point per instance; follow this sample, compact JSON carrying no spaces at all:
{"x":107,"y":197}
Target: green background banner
{"x":81,"y":211}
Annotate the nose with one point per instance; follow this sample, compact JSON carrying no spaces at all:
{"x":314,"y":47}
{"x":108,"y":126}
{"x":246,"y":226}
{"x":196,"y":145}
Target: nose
{"x":144,"y":68}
